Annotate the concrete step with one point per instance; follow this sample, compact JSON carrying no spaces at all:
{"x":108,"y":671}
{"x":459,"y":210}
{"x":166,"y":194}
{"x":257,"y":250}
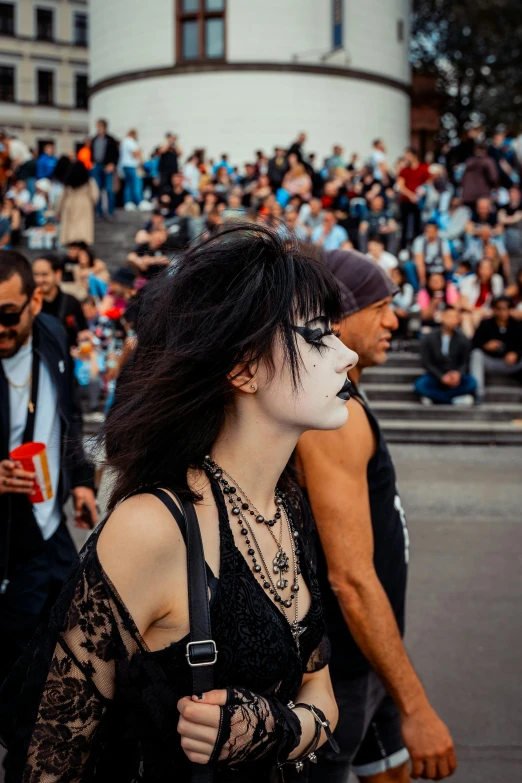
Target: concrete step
{"x":404,"y":392}
{"x":488,"y":412}
{"x":407,"y":375}
{"x":404,"y":359}
{"x":452,"y":432}
{"x":388,"y":374}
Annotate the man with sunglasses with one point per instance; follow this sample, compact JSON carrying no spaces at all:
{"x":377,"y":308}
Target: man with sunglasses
{"x":37,"y":403}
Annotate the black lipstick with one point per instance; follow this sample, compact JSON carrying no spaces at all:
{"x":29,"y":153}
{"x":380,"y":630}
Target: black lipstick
{"x":346,"y":391}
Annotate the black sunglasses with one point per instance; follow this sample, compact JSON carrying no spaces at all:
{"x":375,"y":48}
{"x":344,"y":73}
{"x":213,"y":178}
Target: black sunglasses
{"x":12,"y":319}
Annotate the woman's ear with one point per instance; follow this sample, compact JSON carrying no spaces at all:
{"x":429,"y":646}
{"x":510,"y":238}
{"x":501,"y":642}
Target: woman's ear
{"x":242,"y":378}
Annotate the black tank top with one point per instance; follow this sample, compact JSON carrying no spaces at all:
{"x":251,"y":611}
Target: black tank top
{"x":390,"y":558}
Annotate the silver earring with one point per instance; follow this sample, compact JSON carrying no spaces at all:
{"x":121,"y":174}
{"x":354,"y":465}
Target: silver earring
{"x":253,"y":388}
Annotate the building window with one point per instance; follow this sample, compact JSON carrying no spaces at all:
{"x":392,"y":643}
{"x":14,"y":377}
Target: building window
{"x":7,"y":77}
{"x":7,"y":19}
{"x":201,"y":30}
{"x":400,"y":30}
{"x":44,"y":24}
{"x":82,"y":91}
{"x":81,"y":37}
{"x":45,"y":81}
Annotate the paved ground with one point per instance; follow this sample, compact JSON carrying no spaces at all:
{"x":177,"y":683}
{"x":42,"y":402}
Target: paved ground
{"x":463,"y":506}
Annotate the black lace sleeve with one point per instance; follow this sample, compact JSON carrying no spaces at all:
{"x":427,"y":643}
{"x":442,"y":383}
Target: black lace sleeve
{"x":55,"y":699}
{"x":80,"y":682}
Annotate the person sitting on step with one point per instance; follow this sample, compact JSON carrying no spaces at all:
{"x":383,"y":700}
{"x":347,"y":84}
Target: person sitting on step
{"x":445,"y":354}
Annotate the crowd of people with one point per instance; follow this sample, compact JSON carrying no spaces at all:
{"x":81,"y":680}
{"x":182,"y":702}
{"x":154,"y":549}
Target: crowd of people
{"x":447,"y":229}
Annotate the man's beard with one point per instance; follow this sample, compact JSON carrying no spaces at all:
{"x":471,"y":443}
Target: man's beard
{"x":19,"y":339}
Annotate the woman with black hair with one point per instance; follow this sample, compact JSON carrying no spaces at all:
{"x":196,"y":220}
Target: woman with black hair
{"x":76,"y":208}
{"x":235,"y":358}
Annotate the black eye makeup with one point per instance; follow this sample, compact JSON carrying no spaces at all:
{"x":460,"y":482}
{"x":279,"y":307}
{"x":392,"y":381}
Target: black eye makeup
{"x":314,"y":335}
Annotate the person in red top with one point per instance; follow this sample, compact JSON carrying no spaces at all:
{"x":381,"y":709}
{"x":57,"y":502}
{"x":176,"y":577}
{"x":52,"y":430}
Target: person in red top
{"x":411,"y":177}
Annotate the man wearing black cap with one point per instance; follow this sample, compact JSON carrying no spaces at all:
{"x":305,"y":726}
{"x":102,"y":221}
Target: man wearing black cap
{"x":385,"y":717}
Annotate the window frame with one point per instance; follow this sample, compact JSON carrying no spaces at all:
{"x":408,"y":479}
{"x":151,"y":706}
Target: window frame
{"x":53,"y":25}
{"x":52,"y":102}
{"x":13,"y":69}
{"x":77,"y":75}
{"x":200,"y":16}
{"x":86,"y":17}
{"x":11,"y":34}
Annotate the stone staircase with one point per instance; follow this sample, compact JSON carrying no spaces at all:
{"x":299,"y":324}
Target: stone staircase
{"x":389,"y":389}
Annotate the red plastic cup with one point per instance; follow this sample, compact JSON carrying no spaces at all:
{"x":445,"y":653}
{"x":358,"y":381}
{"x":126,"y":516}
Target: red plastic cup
{"x":33,"y":458}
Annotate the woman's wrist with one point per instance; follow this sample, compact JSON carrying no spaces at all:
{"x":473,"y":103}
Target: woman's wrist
{"x":307,"y":722}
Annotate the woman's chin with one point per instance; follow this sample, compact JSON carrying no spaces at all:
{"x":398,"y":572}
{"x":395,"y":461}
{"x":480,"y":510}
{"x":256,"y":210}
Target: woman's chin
{"x":334,"y":421}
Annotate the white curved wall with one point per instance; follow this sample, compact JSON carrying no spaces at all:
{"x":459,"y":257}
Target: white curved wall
{"x":127,"y":35}
{"x":241,"y":112}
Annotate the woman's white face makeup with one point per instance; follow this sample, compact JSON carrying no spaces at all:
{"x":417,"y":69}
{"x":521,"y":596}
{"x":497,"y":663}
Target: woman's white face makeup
{"x":316,"y":404}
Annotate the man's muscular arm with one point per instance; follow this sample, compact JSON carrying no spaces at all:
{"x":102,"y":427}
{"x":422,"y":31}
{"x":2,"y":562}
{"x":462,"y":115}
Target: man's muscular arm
{"x":335,"y":465}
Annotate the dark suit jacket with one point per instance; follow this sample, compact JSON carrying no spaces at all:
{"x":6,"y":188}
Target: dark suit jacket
{"x":434,"y":361}
{"x":112,"y":151}
{"x":50,"y":342}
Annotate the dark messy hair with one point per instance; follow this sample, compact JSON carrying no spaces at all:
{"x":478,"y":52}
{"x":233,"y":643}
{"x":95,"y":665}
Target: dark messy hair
{"x":56,"y":262}
{"x":14,"y":263}
{"x":225,"y":302}
{"x":77,"y":176}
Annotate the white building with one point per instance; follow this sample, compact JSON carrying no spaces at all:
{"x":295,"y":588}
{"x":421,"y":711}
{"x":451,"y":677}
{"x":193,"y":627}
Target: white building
{"x":238,"y":75}
{"x":44,"y":71}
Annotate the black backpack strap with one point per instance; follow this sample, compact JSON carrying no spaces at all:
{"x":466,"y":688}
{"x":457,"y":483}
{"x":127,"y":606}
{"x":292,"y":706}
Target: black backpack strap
{"x":165,"y":498}
{"x":201,"y":650}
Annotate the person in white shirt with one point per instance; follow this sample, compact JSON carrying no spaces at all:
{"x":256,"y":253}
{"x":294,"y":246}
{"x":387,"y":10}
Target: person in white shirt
{"x":192,"y":176}
{"x":378,"y":159}
{"x":130,"y":160}
{"x":37,"y":404}
{"x":379,"y":255}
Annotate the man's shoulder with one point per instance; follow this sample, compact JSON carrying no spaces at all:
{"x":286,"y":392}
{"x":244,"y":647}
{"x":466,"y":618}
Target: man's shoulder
{"x":51,"y":330}
{"x":432,"y":338}
{"x":70,"y":299}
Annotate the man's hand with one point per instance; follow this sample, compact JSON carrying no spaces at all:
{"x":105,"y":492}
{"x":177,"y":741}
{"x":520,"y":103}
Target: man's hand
{"x":83,"y":495}
{"x":14,"y":479}
{"x":109,"y":168}
{"x":511,"y":358}
{"x":492,"y":345}
{"x":451,"y":379}
{"x":429,"y":744}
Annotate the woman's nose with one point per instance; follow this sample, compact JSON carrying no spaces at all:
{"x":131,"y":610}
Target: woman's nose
{"x":351,"y":359}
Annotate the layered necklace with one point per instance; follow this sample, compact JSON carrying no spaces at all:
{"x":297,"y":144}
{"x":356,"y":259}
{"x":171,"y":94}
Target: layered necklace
{"x":275,"y":583}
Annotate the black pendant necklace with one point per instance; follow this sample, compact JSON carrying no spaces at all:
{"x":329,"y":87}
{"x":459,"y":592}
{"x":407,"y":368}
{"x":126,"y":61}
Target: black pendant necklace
{"x":243,"y":509}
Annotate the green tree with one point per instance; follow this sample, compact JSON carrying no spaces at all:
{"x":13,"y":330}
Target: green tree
{"x":474,"y":47}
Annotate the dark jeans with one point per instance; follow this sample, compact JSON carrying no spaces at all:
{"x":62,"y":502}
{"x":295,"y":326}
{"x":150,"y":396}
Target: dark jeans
{"x":104,"y":180}
{"x":409,"y":210}
{"x":33,"y":588}
{"x":431,"y":387}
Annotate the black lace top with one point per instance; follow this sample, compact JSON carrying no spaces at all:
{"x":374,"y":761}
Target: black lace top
{"x":93,"y":703}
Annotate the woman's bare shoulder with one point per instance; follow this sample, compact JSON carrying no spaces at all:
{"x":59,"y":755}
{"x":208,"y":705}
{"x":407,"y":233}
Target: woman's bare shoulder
{"x":142,"y":552}
{"x":141,"y":529}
